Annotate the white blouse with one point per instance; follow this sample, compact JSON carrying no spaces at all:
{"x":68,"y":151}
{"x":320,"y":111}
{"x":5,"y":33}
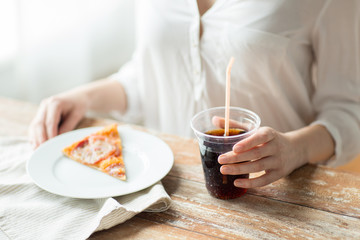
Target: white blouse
{"x":296,"y":63}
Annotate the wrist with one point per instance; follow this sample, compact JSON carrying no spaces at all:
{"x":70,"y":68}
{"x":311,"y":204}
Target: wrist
{"x":80,"y":96}
{"x":300,"y":153}
{"x":313,"y":143}
{"x":86,"y":99}
{"x":103,"y":96}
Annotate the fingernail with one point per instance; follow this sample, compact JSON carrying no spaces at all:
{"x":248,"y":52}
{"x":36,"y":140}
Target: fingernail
{"x":224,"y":170}
{"x":221,"y":159}
{"x":237,"y":183}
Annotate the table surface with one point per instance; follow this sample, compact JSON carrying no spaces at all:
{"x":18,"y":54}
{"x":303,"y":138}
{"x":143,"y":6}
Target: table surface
{"x":313,"y":202}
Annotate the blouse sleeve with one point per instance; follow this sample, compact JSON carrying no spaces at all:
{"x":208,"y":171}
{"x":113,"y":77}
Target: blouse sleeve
{"x":127,"y":76}
{"x":336,"y":43}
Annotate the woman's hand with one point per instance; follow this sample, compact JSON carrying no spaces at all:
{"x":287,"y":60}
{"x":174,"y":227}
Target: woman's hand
{"x":62,"y":112}
{"x":266,"y":150}
{"x":275,"y":153}
{"x":56,"y":115}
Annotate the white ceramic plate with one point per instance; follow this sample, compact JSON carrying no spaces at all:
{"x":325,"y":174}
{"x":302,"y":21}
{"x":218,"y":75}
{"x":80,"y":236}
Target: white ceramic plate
{"x":147,"y":160}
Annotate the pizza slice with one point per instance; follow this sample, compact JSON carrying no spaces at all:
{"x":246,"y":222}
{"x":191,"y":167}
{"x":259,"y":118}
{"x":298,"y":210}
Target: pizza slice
{"x":101,"y":150}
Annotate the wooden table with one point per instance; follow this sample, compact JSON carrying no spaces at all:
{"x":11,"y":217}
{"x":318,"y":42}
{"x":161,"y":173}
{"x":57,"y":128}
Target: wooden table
{"x":314,"y":202}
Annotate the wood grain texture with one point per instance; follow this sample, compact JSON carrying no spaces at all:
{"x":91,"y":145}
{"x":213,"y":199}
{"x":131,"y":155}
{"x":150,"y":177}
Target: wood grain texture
{"x":318,"y":187}
{"x":352,"y":166}
{"x":312,"y":186}
{"x":194,"y":214}
{"x":250,"y":216}
{"x":314,"y":202}
{"x":15,"y":117}
{"x":140,"y":228}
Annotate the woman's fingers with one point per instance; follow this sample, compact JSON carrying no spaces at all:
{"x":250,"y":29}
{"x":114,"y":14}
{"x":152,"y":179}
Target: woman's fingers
{"x":53,"y":117}
{"x":70,"y":121}
{"x":46,"y":122}
{"x":38,"y":134}
{"x":262,"y":136}
{"x":266,"y":150}
{"x":259,"y":152}
{"x":255,"y":153}
{"x":267,"y":178}
{"x":219,"y":122}
{"x":57,"y":114}
{"x":249,"y":167}
{"x":37,"y":129}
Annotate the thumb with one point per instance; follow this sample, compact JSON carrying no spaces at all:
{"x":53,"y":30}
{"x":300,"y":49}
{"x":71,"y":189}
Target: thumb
{"x":70,"y":122}
{"x":220,"y":123}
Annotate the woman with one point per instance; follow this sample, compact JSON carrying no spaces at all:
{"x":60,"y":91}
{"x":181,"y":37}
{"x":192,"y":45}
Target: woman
{"x":297,"y":65}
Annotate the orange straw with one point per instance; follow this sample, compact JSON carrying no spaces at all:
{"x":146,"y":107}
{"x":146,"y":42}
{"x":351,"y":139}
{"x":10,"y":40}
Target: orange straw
{"x":227,"y":100}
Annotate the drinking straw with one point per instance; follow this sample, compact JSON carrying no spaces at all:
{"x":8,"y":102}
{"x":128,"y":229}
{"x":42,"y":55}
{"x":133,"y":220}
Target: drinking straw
{"x":227,"y":95}
{"x":227,"y":105}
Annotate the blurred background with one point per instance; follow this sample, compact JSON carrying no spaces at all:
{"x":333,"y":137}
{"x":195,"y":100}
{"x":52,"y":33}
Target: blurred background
{"x":48,"y":46}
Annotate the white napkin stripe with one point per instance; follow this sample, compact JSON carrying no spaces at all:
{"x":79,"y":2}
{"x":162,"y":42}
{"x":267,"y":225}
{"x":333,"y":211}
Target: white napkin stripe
{"x":28,"y":212}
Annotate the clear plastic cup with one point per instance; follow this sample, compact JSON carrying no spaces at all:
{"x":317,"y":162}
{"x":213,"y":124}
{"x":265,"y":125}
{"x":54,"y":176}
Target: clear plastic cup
{"x":213,"y":143}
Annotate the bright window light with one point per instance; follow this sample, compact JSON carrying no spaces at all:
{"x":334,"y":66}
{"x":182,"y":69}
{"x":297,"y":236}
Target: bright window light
{"x":8,"y":30}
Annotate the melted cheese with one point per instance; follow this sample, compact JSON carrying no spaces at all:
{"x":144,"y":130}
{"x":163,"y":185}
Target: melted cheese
{"x":95,"y":150}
